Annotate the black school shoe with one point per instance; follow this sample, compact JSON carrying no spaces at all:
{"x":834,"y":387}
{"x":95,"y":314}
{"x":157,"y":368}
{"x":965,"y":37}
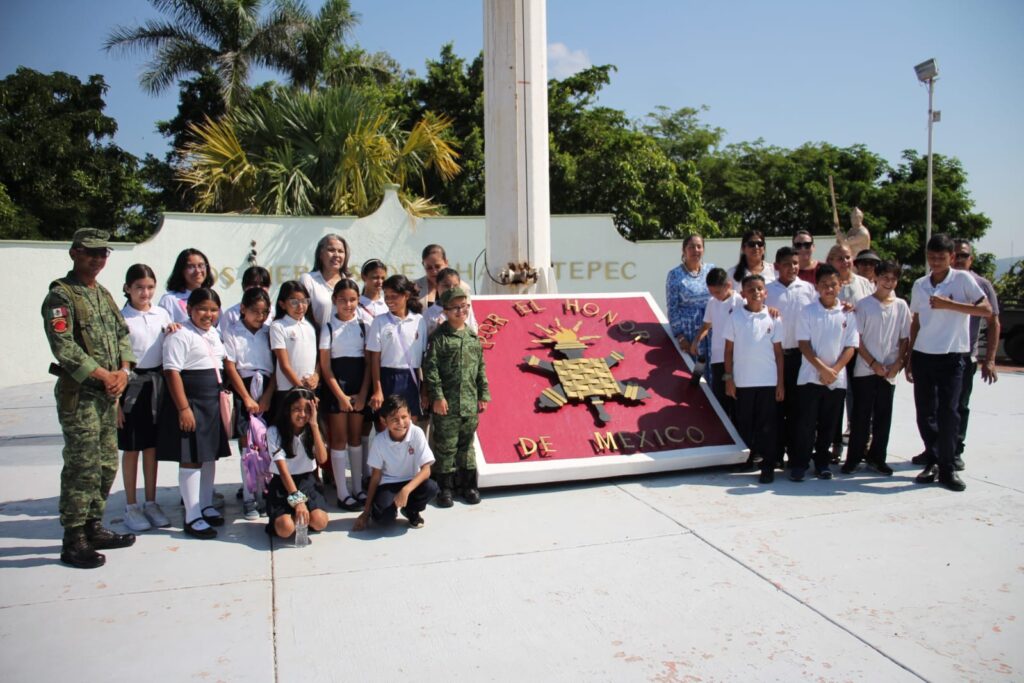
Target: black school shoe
{"x":415,"y":519}
{"x":952,"y":482}
{"x":767,"y":476}
{"x":102,"y":538}
{"x":207,"y":533}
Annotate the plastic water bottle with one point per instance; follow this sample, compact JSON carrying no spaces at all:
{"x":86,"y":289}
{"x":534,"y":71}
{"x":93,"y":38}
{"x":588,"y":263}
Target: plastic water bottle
{"x":301,"y":534}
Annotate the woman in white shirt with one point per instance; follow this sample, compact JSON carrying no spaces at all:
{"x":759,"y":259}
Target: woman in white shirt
{"x":330,"y":264}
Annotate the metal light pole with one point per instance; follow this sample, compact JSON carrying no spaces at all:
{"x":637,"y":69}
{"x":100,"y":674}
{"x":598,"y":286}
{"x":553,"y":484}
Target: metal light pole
{"x":927,"y":73}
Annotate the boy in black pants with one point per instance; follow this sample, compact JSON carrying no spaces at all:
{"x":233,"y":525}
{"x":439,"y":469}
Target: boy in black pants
{"x":828,"y":340}
{"x":753,"y":373}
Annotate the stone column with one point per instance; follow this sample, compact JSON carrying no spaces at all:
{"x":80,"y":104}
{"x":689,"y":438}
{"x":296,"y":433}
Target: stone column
{"x":518,"y":221}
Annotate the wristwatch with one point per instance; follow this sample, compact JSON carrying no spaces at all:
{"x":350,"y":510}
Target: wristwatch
{"x":726,"y":376}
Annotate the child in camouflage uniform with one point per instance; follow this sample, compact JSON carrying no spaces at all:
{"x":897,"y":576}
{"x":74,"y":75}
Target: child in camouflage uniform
{"x":456,"y":383}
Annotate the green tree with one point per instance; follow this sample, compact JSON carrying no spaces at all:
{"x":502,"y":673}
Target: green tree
{"x":224,"y":37}
{"x":57,"y":169}
{"x":314,"y":153}
{"x":1010,"y":285}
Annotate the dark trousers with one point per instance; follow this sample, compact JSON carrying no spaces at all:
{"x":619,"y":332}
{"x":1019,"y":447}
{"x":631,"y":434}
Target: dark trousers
{"x":937,"y":382}
{"x":872,"y":414}
{"x":383,"y":507}
{"x":966,"y":388}
{"x":819,"y":409}
{"x":718,"y":389}
{"x":788,"y":413}
{"x":757,"y":422}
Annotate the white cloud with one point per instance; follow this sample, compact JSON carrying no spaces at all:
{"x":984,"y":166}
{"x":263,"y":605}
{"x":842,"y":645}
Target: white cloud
{"x":563,"y":62}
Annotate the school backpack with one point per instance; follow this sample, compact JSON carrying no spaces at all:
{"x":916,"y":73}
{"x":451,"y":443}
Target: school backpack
{"x":256,"y":457}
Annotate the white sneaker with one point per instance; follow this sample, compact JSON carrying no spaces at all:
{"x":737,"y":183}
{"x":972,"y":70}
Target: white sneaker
{"x":135,"y":520}
{"x":155,"y":514}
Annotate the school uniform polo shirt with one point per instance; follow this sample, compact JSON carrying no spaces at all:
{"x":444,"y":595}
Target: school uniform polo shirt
{"x":830,"y":331}
{"x":344,"y":338}
{"x":881,"y":327}
{"x":371,"y":308}
{"x":790,"y":300}
{"x":399,"y":460}
{"x":192,"y":349}
{"x":147,"y":334}
{"x":398,"y":353}
{"x":754,"y":336}
{"x":249,"y":351}
{"x":176,"y":303}
{"x":298,"y":339}
{"x":300,"y":463}
{"x":944,"y":331}
{"x":717,"y":313}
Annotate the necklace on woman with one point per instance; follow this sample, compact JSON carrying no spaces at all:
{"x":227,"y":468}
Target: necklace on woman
{"x":693,"y":273}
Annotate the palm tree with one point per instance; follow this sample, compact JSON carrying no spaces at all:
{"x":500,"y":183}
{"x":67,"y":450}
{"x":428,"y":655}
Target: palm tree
{"x":314,"y":153}
{"x":225,"y":36}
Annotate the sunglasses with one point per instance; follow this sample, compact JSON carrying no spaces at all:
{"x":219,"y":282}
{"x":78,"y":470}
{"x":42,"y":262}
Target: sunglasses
{"x":96,"y":252}
{"x":755,"y":244}
{"x":961,"y":257}
{"x":803,"y":245}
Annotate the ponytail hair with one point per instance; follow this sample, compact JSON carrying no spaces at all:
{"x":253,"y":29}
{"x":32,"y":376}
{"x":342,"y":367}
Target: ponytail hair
{"x":138,"y":271}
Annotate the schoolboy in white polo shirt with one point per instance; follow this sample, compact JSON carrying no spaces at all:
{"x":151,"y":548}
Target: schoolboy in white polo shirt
{"x":942,"y":303}
{"x":828,"y":340}
{"x":789,"y":294}
{"x":753,"y":373}
{"x":883,"y":322}
{"x":724,"y":300}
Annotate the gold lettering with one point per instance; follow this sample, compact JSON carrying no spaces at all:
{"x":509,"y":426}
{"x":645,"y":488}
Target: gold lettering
{"x":527,"y":447}
{"x":408,"y":270}
{"x":592,"y":267}
{"x":557,"y":265}
{"x":624,"y":441}
{"x":605,"y":442}
{"x":609,"y":268}
{"x":630,"y":276}
{"x":571,"y":305}
{"x":535,"y":308}
{"x":590,"y":309}
{"x":668,"y":434}
{"x":226,"y":278}
{"x":486,"y":329}
{"x":657,"y":435}
{"x":496,"y":320}
{"x":610,"y":317}
{"x":522,"y":308}
{"x":627,"y":326}
{"x":280,"y":274}
{"x":643,"y":439}
{"x":545,"y":446}
{"x":695,"y":434}
{"x":576,"y":270}
{"x":486,"y":344}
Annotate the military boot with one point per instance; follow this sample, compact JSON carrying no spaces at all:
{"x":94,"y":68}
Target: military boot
{"x":77,"y":552}
{"x":467,"y":486}
{"x":445,"y":495}
{"x":102,"y":538}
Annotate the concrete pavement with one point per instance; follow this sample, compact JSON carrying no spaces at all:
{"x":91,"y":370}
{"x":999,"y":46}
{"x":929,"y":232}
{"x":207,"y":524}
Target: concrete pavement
{"x":700,"y":575}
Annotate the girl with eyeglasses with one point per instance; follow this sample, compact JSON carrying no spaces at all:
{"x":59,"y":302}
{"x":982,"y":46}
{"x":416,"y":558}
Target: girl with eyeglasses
{"x":293,"y":340}
{"x":752,"y":259}
{"x":190,"y":272}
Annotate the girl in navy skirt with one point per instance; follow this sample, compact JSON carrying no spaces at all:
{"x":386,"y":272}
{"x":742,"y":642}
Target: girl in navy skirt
{"x":296,"y":446}
{"x":395,"y":346}
{"x":347,"y":381}
{"x":293,"y":339}
{"x":190,"y":430}
{"x":249,"y":367}
{"x":137,"y":410}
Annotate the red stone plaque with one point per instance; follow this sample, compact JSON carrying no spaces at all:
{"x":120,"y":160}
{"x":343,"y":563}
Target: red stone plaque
{"x":591,"y":386}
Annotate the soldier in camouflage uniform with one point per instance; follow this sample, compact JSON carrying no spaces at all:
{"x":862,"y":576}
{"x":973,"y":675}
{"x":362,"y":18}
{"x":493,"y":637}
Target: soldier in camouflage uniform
{"x":456,"y":382}
{"x":89,"y":339}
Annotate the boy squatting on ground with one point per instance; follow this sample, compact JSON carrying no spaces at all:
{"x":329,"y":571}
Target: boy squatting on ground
{"x":455,"y":379}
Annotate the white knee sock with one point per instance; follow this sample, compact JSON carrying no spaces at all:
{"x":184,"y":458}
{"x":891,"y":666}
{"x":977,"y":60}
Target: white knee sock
{"x":339,"y":461}
{"x":208,"y":470}
{"x":355,"y":457}
{"x":188,"y":484}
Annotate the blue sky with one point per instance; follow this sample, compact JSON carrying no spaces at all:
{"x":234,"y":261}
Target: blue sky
{"x":788,"y":72}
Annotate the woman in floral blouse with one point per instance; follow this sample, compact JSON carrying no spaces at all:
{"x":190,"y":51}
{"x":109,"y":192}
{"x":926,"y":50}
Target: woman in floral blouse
{"x":686,"y":292}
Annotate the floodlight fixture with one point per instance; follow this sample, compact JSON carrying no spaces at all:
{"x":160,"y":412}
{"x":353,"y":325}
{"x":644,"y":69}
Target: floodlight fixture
{"x":927,"y":70}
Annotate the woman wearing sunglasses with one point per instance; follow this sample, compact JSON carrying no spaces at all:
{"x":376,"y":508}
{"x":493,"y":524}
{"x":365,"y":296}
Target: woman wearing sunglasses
{"x":752,"y":259}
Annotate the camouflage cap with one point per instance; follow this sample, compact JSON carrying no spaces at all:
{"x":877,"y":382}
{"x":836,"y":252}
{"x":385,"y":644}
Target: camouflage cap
{"x":451,"y":295}
{"x":91,"y":238}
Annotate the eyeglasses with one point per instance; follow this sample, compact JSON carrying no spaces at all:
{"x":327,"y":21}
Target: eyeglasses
{"x":755,"y":244}
{"x":463,"y":307}
{"x":96,"y":252}
{"x":196,"y":267}
{"x":961,"y":256}
{"x":298,"y":303}
{"x":803,"y":245}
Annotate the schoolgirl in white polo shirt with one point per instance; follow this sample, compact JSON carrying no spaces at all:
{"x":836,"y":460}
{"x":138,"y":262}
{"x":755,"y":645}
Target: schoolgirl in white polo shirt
{"x":395,"y":348}
{"x":753,"y":373}
{"x":828,"y":340}
{"x":293,"y":339}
